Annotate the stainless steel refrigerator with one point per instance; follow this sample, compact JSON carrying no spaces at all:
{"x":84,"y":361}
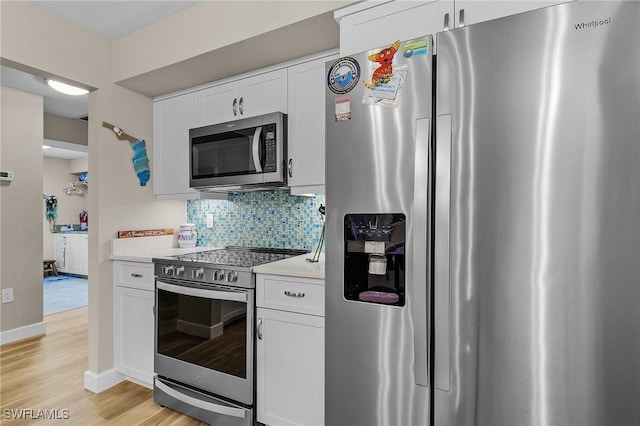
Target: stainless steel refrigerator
{"x":483,"y":240}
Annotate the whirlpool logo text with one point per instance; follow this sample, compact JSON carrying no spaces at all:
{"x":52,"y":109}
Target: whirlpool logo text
{"x":592,"y":24}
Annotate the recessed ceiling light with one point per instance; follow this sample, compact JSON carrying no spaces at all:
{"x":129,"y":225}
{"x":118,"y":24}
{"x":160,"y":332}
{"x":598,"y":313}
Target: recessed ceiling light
{"x":67,"y":89}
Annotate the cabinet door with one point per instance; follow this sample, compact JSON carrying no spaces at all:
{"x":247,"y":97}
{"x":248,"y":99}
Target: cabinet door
{"x":218,"y":104}
{"x":134,"y":333}
{"x":60,"y":246}
{"x":290,"y":368}
{"x":263,"y":94}
{"x":77,"y":259}
{"x":172,"y":119}
{"x":306,"y":164}
{"x":473,"y":11}
{"x":373,"y":25}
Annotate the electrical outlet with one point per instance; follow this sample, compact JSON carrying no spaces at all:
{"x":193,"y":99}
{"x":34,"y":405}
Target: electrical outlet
{"x":209,"y":220}
{"x":7,"y":295}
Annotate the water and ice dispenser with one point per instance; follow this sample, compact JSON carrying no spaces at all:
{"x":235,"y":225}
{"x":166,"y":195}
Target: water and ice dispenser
{"x":374,"y":258}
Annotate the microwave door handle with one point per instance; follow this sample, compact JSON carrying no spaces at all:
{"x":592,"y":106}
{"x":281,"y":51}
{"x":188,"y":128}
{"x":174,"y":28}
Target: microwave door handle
{"x":256,"y":149}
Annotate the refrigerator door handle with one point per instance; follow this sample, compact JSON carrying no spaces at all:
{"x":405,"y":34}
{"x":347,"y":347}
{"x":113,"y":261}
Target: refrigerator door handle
{"x":420,"y":297}
{"x":442,"y":309}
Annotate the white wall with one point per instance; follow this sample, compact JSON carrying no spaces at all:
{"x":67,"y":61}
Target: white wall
{"x":209,"y":26}
{"x":21,"y":205}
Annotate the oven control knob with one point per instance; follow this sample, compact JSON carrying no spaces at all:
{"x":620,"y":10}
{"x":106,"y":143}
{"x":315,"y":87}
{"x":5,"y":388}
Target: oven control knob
{"x":232,"y":276}
{"x":167,"y":270}
{"x":197,"y":273}
{"x":178,"y":271}
{"x":218,"y":275}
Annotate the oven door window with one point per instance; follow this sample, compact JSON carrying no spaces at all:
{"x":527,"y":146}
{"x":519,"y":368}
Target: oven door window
{"x":211,"y":333}
{"x":234,"y":153}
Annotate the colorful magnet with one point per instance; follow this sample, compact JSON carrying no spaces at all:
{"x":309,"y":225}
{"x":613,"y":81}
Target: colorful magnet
{"x":416,"y":48}
{"x":383,"y":73}
{"x":343,"y":108}
{"x":343,"y":75}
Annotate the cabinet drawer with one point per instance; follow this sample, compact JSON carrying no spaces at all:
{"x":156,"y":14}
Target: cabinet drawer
{"x":301,"y":295}
{"x":133,"y":274}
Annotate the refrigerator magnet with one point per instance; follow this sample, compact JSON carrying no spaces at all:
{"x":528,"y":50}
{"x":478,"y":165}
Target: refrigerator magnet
{"x":343,"y":108}
{"x":416,"y":48}
{"x":343,"y":75}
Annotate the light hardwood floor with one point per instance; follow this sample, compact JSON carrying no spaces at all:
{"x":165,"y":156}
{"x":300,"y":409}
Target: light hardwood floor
{"x":47,"y":374}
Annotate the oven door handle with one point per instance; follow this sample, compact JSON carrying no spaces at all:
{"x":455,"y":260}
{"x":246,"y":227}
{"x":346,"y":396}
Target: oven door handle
{"x":206,"y":293}
{"x":204,"y":405}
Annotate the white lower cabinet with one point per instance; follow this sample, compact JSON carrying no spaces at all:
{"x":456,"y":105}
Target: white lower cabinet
{"x":72,"y":253}
{"x":290,"y":351}
{"x":134,"y":321}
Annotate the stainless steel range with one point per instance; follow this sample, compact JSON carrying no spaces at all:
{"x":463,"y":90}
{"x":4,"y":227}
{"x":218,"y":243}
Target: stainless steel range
{"x":204,"y":332}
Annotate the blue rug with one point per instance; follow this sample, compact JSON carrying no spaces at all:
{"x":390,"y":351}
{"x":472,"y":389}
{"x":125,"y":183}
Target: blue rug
{"x":64,"y":292}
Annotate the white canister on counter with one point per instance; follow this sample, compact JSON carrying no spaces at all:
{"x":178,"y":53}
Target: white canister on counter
{"x":188,"y":235}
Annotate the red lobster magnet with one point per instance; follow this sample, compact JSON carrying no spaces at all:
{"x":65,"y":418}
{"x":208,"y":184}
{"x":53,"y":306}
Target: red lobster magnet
{"x":383,"y":73}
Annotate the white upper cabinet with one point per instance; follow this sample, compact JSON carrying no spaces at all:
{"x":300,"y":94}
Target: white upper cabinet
{"x":306,"y":120}
{"x":474,"y":11}
{"x":248,"y":97}
{"x":172,"y":119}
{"x":375,"y":24}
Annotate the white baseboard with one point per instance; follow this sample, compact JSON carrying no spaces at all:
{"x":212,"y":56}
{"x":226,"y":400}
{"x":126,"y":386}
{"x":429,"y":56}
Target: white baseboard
{"x":21,"y":333}
{"x":98,"y":382}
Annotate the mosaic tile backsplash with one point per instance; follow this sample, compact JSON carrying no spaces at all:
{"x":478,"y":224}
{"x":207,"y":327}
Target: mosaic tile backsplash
{"x":259,"y":219}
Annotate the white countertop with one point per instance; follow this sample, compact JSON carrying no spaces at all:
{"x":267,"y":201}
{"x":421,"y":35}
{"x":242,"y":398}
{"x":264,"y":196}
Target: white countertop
{"x":297,"y":266}
{"x":144,"y":249}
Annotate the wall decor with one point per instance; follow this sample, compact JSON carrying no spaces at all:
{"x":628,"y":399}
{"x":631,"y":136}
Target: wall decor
{"x":140,"y":159}
{"x":51,"y":210}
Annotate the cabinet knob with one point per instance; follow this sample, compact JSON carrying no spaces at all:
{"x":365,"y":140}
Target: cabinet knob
{"x":241,"y":106}
{"x":235,"y":106}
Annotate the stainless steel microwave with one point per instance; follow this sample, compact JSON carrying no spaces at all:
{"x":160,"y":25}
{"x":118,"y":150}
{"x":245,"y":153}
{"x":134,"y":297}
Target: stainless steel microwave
{"x":244,"y":154}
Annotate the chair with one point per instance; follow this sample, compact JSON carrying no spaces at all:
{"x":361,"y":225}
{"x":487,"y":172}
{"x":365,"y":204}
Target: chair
{"x":50,"y":267}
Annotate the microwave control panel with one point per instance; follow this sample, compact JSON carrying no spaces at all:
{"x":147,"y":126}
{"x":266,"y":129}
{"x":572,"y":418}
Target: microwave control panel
{"x":271,"y":153}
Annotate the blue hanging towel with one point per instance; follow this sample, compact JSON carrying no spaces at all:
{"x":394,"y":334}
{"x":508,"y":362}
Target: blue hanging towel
{"x":140,"y":161}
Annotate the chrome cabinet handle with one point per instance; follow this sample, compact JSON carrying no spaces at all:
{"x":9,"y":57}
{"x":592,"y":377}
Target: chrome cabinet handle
{"x":446,"y":22}
{"x":241,"y":106}
{"x":259,"y":328}
{"x":235,"y":106}
{"x":290,"y":167}
{"x":134,"y":275}
{"x":292,"y":294}
{"x":461,"y":18}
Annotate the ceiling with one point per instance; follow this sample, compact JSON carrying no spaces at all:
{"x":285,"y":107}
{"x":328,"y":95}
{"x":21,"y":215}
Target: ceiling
{"x":112,"y":19}
{"x":115,"y":19}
